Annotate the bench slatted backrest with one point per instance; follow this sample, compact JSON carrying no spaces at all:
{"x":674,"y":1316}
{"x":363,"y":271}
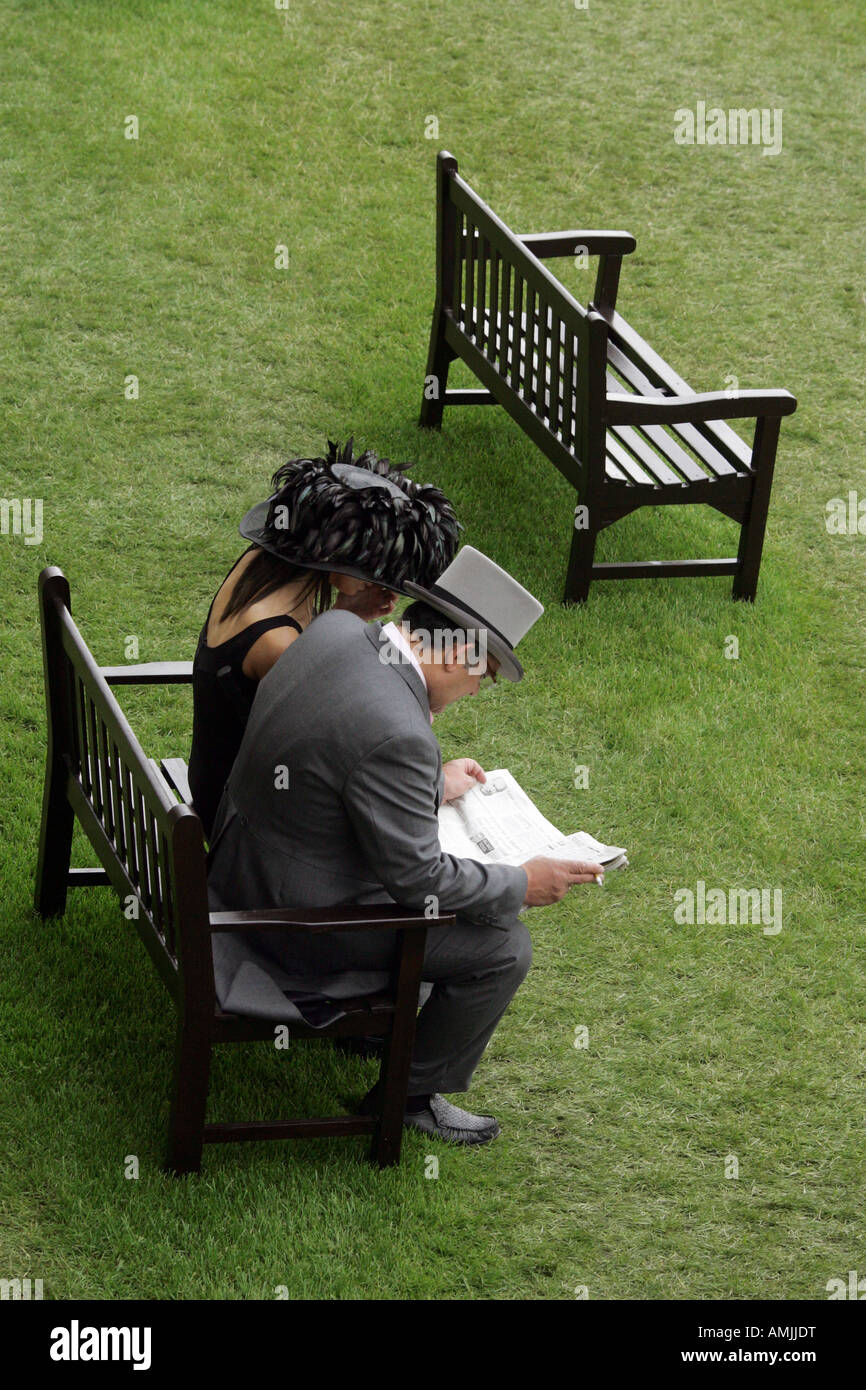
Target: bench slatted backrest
{"x":139,"y":831}
{"x":518,"y":321}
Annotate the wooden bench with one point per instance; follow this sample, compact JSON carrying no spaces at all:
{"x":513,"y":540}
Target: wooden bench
{"x":151,"y":848}
{"x":613,"y":417}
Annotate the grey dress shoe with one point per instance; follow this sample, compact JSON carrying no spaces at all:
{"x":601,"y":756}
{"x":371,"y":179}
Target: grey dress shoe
{"x":442,"y":1120}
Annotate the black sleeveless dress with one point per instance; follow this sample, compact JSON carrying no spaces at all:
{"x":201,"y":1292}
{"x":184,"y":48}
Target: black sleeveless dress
{"x":222,"y":697}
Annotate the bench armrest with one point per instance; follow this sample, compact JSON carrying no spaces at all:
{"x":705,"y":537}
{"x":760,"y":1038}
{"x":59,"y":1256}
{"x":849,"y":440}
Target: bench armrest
{"x":627,"y":409}
{"x":380,"y":916}
{"x":549,"y":245}
{"x":149,"y":673}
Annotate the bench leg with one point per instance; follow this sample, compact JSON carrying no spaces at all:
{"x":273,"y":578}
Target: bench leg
{"x":753,"y":528}
{"x":439,"y":358}
{"x":189,"y":1100}
{"x":55,"y":846}
{"x":397,"y":1059}
{"x":579,"y":576}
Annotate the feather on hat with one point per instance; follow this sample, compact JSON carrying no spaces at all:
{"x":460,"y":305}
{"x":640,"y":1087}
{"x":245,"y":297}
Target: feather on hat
{"x":357,"y":516}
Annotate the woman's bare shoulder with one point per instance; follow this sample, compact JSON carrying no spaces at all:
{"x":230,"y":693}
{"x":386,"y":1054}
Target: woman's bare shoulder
{"x":267,"y":650}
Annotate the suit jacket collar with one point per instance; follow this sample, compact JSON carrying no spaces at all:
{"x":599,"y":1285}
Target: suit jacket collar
{"x":374,"y":633}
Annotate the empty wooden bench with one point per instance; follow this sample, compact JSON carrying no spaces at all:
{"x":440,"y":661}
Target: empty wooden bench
{"x":151,"y":848}
{"x":613,"y":417}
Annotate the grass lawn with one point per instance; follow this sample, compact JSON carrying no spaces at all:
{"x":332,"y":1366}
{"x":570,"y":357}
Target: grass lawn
{"x":155,"y":258}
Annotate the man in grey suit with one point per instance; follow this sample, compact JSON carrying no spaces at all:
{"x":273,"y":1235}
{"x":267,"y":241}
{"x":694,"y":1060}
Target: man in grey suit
{"x":333,"y":799}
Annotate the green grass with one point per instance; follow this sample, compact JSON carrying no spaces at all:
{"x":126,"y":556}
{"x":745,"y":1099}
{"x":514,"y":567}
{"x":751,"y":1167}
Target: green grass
{"x":156,"y":258}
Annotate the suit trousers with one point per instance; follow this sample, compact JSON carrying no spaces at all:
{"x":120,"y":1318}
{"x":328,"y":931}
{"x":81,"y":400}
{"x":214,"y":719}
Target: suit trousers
{"x":475,"y":970}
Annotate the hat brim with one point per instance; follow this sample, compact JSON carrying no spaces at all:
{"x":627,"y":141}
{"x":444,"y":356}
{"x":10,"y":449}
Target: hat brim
{"x":254,"y":528}
{"x":509,"y":666}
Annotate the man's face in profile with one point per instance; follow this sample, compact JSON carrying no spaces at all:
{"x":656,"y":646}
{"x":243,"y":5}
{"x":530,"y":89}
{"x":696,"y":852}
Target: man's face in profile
{"x":460,"y":672}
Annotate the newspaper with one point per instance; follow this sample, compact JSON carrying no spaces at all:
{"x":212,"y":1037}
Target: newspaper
{"x":496,"y":822}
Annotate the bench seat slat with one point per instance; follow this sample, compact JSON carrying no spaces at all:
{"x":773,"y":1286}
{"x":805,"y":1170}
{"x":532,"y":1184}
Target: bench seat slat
{"x":640,"y":441}
{"x":149,"y":673}
{"x":159,"y":773}
{"x":628,"y":467}
{"x":690,"y":434}
{"x":657,"y":373}
{"x":675,"y":454}
{"x":612,"y":470}
{"x":657,"y":463}
{"x":652,"y":462}
{"x":175,"y":772}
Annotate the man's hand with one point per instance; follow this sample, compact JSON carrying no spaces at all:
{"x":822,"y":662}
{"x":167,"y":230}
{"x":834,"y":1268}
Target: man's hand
{"x":370,"y":602}
{"x":460,"y":775}
{"x":548,"y":880}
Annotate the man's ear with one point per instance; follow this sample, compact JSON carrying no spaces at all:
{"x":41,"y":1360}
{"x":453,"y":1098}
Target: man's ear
{"x":454,"y":658}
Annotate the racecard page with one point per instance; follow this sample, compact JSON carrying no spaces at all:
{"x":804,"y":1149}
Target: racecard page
{"x":497,"y":823}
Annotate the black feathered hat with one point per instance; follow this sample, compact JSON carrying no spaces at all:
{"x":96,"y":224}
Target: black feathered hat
{"x":356,"y":516}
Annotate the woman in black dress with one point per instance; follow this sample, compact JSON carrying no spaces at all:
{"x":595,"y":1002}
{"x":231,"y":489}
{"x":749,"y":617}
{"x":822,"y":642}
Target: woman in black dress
{"x":357,"y":526}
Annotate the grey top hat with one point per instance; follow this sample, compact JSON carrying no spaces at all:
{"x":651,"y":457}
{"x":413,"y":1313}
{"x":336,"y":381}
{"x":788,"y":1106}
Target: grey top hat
{"x":477,"y":593}
{"x":356,"y":516}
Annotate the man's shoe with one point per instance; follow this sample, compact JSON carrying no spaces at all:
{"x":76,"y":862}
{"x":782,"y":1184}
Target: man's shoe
{"x":441,"y":1120}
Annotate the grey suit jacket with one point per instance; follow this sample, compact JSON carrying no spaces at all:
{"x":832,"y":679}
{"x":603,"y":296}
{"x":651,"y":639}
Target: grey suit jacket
{"x":332,"y":799}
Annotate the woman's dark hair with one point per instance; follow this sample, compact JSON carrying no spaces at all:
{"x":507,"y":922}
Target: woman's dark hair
{"x":266,"y":573}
